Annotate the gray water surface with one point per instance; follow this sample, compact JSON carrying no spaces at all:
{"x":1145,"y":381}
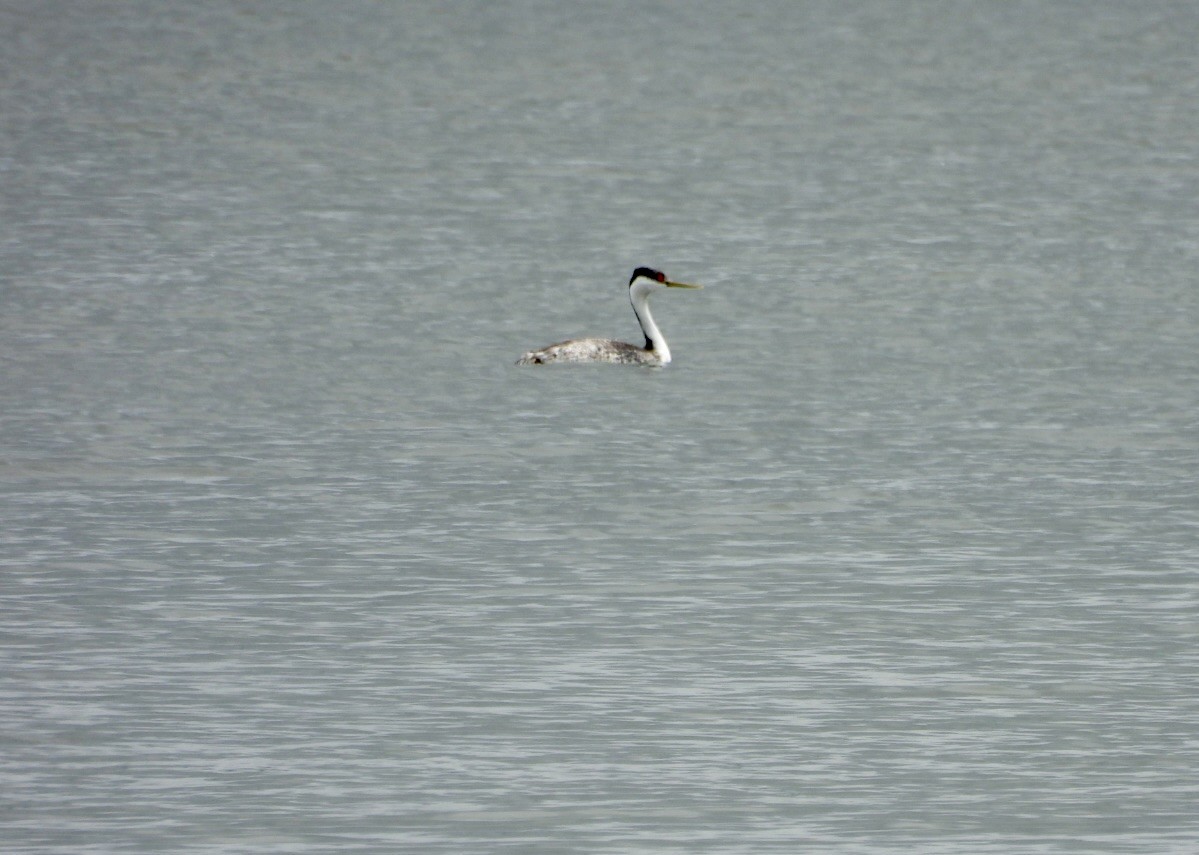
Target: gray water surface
{"x":899,"y":555}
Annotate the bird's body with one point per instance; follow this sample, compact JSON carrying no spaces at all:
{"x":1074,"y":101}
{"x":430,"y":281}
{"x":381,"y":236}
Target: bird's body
{"x":591,"y":350}
{"x":655,"y":350}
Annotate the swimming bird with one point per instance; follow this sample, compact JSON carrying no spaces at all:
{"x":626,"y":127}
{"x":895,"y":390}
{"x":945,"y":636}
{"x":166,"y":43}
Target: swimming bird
{"x":655,"y":351}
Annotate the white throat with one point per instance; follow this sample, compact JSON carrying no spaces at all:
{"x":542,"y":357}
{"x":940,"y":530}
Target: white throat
{"x":639,"y":296}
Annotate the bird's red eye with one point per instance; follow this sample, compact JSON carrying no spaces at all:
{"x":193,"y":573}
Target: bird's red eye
{"x":661,"y":277}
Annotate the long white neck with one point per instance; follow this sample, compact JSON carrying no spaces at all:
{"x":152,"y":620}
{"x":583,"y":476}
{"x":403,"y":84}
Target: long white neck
{"x":654,"y":340}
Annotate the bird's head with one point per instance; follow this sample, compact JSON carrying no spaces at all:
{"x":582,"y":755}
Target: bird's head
{"x":653,"y":278}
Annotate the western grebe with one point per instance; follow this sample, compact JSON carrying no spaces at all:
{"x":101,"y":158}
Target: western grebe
{"x":655,"y":352}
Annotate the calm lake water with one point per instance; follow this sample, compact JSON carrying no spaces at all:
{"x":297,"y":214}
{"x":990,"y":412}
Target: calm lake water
{"x":901,"y":554}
